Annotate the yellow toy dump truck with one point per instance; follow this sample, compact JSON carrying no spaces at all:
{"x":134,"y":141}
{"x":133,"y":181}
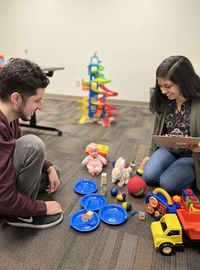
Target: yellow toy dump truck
{"x":175,"y":231}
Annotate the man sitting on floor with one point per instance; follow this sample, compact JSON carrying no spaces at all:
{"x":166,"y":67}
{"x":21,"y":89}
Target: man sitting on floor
{"x":22,"y":163}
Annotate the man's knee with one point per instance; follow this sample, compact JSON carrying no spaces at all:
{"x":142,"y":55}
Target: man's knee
{"x":28,"y":148}
{"x":31,"y":141}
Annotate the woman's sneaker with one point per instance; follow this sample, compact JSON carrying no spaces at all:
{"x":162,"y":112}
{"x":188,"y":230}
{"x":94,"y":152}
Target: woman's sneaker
{"x":40,"y":222}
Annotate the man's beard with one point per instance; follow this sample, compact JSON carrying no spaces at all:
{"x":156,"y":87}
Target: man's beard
{"x":21,"y":114}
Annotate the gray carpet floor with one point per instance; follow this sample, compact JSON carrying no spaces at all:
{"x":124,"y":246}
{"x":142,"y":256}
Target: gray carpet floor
{"x":127,"y":246}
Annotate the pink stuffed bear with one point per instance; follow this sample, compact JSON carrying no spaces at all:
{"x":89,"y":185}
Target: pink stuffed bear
{"x":94,"y":161}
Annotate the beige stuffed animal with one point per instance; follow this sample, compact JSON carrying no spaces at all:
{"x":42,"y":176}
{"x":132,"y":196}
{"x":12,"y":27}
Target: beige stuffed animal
{"x":120,"y":174}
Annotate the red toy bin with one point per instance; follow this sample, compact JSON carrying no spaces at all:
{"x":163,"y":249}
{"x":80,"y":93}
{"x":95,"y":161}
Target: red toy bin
{"x":190,"y":222}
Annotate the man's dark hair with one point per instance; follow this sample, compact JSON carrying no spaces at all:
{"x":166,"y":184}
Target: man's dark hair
{"x":180,"y":71}
{"x":22,"y":76}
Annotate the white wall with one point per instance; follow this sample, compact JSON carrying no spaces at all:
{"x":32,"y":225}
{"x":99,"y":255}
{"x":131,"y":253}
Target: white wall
{"x":131,"y":36}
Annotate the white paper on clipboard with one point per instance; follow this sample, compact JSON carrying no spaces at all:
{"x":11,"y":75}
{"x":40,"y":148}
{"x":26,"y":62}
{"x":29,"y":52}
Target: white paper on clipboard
{"x":174,"y":141}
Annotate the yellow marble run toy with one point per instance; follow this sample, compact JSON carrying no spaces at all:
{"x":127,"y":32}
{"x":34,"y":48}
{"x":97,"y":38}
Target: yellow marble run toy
{"x":94,"y":106}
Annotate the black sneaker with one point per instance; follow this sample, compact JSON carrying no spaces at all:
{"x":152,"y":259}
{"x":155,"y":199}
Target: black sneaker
{"x":40,"y":222}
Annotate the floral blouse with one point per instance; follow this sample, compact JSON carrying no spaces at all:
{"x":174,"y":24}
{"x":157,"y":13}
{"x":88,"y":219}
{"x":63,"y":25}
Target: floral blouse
{"x":178,"y":120}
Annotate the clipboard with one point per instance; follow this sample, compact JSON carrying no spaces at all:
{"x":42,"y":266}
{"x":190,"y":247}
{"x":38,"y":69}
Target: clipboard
{"x":174,"y":141}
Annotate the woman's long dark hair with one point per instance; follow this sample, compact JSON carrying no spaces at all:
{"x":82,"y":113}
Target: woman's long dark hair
{"x":180,"y":71}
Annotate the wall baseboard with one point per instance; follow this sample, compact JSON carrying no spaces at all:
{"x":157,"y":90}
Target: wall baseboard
{"x":111,"y":101}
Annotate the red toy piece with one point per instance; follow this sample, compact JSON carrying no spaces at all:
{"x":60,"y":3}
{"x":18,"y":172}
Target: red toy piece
{"x":136,"y":186}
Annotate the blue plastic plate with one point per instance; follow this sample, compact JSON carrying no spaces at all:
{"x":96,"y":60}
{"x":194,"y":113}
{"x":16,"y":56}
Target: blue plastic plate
{"x":85,"y":186}
{"x":113,"y":214}
{"x":77,"y":223}
{"x":93,"y":202}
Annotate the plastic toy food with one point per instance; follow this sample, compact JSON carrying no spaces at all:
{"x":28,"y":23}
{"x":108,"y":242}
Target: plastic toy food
{"x":136,"y":186}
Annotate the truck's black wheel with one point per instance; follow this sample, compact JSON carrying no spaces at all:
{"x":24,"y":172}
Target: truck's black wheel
{"x":167,"y":249}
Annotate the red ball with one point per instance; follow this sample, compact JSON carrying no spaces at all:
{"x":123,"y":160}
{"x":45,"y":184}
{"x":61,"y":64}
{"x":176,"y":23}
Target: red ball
{"x":136,"y":186}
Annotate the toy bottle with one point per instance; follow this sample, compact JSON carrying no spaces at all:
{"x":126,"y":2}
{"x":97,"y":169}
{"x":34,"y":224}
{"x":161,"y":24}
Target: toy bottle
{"x":103,"y":185}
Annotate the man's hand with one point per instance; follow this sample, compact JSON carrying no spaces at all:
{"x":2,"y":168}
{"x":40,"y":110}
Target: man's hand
{"x":53,"y":208}
{"x":54,"y":181}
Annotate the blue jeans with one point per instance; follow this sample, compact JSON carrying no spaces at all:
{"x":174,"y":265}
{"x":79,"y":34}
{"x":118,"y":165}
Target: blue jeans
{"x":168,"y":171}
